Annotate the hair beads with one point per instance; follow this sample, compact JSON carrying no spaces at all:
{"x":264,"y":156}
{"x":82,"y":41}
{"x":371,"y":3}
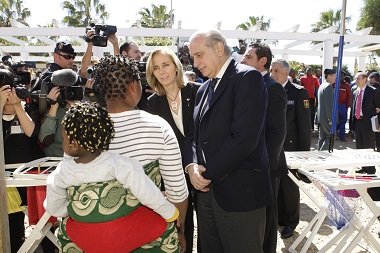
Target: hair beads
{"x":89,"y":124}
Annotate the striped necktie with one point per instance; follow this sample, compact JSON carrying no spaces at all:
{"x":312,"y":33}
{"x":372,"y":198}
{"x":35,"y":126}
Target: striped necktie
{"x":210,"y":94}
{"x":358,"y":105}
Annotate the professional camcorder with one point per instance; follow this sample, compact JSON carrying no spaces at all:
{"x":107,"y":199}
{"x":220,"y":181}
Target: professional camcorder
{"x":15,"y":81}
{"x":22,"y":75}
{"x":101,"y":34}
{"x":142,"y":70}
{"x":66,"y":80}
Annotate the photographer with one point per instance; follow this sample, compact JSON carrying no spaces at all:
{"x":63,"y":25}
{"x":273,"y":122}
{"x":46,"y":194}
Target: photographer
{"x":63,"y":93}
{"x":88,"y":61}
{"x":64,"y":56}
{"x":20,"y":130}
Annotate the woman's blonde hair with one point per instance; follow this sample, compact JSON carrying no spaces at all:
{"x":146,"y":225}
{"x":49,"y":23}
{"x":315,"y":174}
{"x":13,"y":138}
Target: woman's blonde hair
{"x":152,"y":80}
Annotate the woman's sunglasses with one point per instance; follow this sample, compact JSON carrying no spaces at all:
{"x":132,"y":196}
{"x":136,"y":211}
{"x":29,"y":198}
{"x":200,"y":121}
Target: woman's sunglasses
{"x":67,"y":56}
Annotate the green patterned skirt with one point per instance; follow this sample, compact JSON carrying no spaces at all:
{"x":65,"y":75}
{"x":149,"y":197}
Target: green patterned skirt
{"x":106,"y":202}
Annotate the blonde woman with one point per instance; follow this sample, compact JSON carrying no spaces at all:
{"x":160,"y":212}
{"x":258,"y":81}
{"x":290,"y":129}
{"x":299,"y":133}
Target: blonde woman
{"x":174,"y":101}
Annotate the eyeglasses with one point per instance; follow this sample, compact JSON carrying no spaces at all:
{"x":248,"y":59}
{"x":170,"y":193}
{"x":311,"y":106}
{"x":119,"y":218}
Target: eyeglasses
{"x":67,"y":56}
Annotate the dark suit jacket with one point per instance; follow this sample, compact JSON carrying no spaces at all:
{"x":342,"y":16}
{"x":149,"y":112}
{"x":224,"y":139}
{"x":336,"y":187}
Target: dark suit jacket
{"x":275,"y":125}
{"x":159,"y":105}
{"x":371,"y":101}
{"x":298,"y":135}
{"x":231,"y":135}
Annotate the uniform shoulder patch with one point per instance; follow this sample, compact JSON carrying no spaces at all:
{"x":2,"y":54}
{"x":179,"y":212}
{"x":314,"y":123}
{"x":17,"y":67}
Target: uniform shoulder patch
{"x":306,"y":103}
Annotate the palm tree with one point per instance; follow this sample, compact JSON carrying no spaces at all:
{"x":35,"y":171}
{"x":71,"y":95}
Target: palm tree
{"x":13,"y":9}
{"x":83,"y":12}
{"x":158,"y":17}
{"x":329,"y":18}
{"x":257,"y":23}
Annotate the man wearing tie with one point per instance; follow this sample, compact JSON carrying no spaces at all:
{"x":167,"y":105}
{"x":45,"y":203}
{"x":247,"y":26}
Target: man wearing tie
{"x":230,"y":169}
{"x":366,"y":104}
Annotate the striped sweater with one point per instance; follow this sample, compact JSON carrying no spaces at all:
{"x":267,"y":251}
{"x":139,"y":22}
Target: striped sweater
{"x":148,"y":138}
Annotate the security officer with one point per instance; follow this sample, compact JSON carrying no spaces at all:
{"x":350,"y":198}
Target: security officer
{"x":64,"y":55}
{"x":298,"y":138}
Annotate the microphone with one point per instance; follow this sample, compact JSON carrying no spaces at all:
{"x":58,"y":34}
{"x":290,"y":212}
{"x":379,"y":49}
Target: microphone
{"x":64,"y":77}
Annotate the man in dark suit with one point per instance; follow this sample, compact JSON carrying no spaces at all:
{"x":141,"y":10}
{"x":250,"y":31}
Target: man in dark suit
{"x":366,"y":104}
{"x":374,"y":80}
{"x":298,"y":138}
{"x":230,"y":170}
{"x":259,"y":56}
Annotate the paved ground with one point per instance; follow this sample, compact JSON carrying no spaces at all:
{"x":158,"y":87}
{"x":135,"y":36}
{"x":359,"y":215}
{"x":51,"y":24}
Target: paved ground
{"x":308,"y":210}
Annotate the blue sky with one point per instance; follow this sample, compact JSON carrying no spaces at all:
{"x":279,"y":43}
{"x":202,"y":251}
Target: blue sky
{"x":197,"y":14}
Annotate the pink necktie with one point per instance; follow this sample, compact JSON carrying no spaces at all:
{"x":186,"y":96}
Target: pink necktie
{"x":358,"y":106}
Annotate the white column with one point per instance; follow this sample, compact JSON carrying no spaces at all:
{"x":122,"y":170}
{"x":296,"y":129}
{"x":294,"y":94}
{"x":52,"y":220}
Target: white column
{"x":361,"y":66}
{"x":24,"y":54}
{"x":328,"y":49}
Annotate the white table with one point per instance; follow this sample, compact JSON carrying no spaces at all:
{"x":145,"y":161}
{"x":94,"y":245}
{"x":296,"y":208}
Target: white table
{"x":314,"y":164}
{"x":20,"y":178}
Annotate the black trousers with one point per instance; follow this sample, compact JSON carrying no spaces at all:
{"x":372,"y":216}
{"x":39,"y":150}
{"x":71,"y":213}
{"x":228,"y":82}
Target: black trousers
{"x":312,"y":111}
{"x":16,"y":230}
{"x":288,"y":202}
{"x":365,"y":138}
{"x":270,"y":236}
{"x":228,"y":232}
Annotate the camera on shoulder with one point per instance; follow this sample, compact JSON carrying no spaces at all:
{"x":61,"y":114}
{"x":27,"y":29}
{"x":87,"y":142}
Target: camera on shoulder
{"x":101,"y":34}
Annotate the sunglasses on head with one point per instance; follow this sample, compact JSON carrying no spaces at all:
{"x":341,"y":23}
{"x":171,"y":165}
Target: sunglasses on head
{"x":67,"y":56}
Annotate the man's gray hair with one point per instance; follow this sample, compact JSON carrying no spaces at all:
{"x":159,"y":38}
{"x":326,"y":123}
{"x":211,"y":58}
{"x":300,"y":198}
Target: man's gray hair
{"x":284,"y":64}
{"x":213,"y":37}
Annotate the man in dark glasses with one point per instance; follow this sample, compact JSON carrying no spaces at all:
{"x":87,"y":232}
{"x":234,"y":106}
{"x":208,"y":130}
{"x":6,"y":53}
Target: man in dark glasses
{"x":64,"y":55}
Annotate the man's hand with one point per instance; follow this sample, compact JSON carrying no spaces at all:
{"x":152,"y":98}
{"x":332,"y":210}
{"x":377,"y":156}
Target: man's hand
{"x":53,"y":94}
{"x":90,"y":35}
{"x":196,"y":178}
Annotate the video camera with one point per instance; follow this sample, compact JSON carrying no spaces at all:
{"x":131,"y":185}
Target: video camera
{"x":101,"y":34}
{"x":142,"y":70}
{"x":8,"y":78}
{"x":66,"y":80}
{"x":22,"y":75}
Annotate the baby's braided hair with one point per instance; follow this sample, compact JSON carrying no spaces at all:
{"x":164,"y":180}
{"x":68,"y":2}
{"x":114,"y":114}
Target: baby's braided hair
{"x":113,"y":74}
{"x":89,"y":124}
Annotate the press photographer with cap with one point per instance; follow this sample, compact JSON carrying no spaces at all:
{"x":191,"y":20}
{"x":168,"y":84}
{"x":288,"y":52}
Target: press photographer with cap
{"x":64,"y":55}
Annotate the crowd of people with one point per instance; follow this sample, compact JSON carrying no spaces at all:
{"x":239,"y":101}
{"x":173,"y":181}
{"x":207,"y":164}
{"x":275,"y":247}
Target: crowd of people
{"x":147,"y":140}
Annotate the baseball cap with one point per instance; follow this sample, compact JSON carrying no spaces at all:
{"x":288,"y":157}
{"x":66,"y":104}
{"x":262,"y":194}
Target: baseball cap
{"x":64,"y":47}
